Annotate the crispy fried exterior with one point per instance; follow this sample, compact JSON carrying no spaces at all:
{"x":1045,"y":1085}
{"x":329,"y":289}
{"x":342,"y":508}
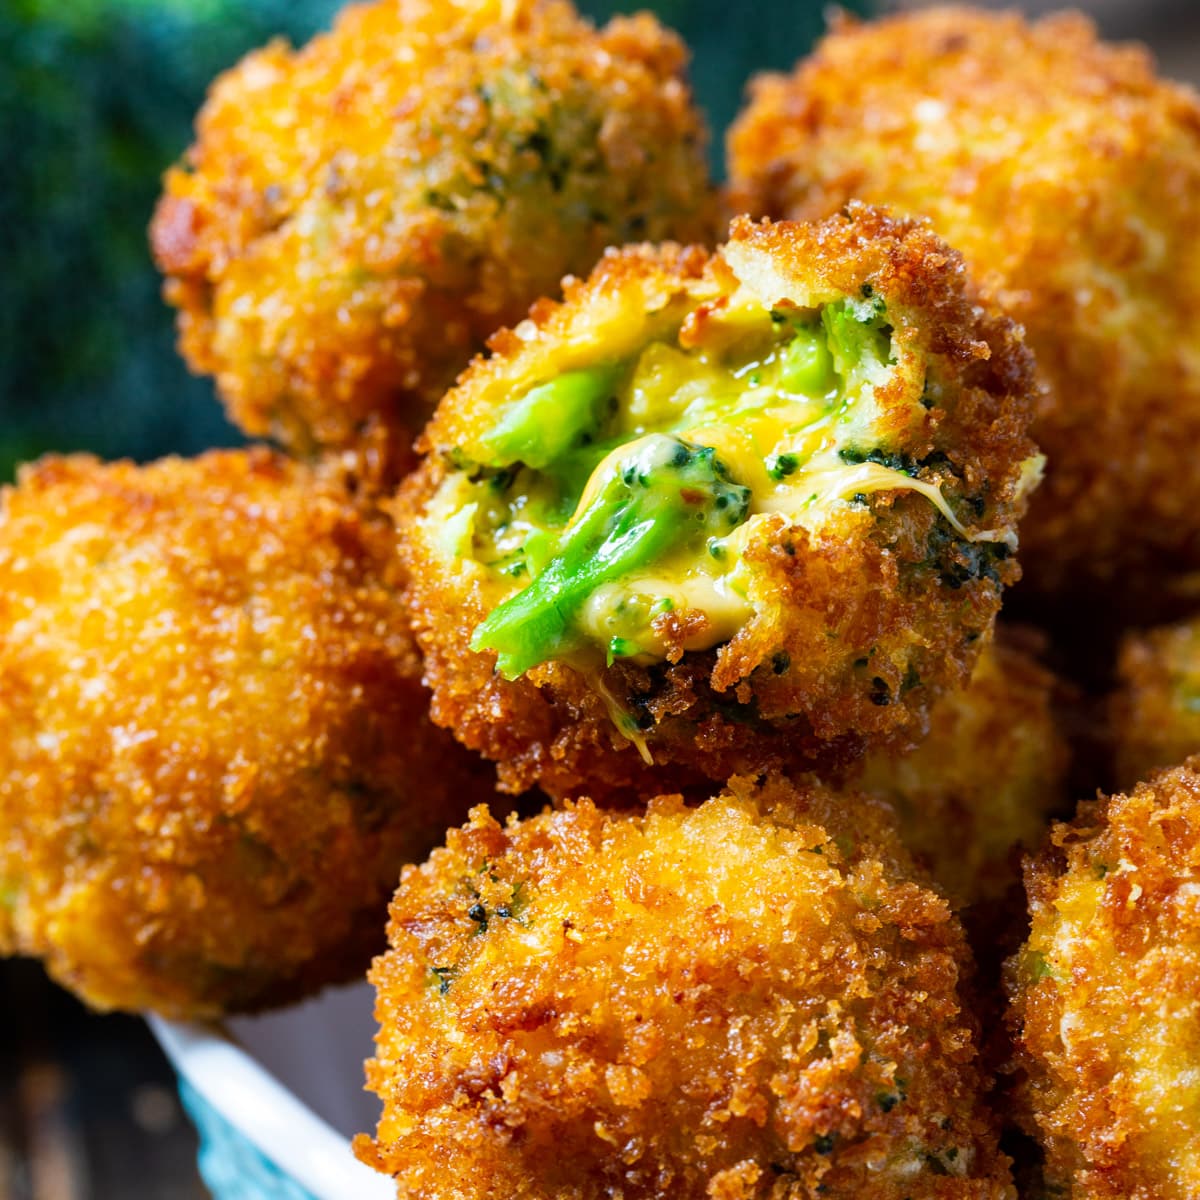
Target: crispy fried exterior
{"x":1069,"y":177}
{"x":1104,"y":1001}
{"x":1155,"y":710}
{"x":858,"y":627}
{"x":749,"y":999}
{"x":357,"y":216}
{"x":988,"y":775}
{"x":215,"y":755}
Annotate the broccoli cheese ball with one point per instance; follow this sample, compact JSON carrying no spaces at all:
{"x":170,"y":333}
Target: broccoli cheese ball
{"x":1105,"y":1008}
{"x":988,"y":775}
{"x":1069,"y":177}
{"x":749,"y":999}
{"x":721,"y":514}
{"x":215,"y":757}
{"x":357,"y":216}
{"x":1155,"y":710}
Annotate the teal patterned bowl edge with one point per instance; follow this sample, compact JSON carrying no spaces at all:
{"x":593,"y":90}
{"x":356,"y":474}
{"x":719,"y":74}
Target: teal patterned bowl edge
{"x":232,"y":1168}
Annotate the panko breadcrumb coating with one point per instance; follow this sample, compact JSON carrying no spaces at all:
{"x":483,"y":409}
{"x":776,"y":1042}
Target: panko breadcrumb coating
{"x":1155,"y":710}
{"x":987,"y":777}
{"x":357,"y":216}
{"x":216,"y":756}
{"x":1069,"y":177}
{"x":749,"y":999}
{"x":1105,"y":1007}
{"x":721,"y":514}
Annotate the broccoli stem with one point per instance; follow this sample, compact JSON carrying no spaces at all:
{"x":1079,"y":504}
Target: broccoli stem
{"x":549,"y":420}
{"x":662,"y":492}
{"x":859,"y":335}
{"x":806,"y":365}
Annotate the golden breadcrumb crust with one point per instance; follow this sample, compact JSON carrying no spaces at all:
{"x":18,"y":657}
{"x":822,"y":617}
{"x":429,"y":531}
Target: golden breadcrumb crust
{"x":1104,"y":1003}
{"x":987,"y":777}
{"x":215,"y":755}
{"x":1069,"y":177}
{"x":1155,"y":710}
{"x":749,"y":999}
{"x":358,"y":215}
{"x":858,"y":626}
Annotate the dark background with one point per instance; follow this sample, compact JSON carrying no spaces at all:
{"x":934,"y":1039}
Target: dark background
{"x":96,"y":99}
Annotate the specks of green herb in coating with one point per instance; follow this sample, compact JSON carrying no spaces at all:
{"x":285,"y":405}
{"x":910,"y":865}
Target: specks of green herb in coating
{"x":959,"y":561}
{"x":479,"y":915}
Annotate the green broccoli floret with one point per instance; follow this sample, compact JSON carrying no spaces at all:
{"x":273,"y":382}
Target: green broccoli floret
{"x":662,"y":493}
{"x":550,"y":420}
{"x":859,"y":334}
{"x":806,"y":365}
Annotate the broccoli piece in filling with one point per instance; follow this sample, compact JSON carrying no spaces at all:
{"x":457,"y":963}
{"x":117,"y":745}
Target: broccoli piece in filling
{"x":806,"y":365}
{"x":660,"y":494}
{"x":859,"y":334}
{"x":650,"y":499}
{"x":550,"y":420}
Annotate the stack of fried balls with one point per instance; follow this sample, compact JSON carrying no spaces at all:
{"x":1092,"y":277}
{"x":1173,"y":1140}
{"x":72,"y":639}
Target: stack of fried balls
{"x":651,"y":537}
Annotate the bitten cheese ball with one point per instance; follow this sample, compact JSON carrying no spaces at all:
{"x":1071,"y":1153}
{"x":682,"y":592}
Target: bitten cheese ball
{"x":357,"y":216}
{"x":1104,"y":1004}
{"x":720,"y":514}
{"x":1068,"y":175}
{"x":215,"y":756}
{"x":988,"y":776}
{"x":746,"y":1000}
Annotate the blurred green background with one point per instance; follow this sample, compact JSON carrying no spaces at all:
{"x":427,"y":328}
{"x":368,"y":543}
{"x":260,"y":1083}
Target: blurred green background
{"x":96,"y":99}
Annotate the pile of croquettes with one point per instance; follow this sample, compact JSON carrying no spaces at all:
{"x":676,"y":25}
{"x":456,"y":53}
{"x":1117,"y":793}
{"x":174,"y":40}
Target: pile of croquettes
{"x":651,"y":536}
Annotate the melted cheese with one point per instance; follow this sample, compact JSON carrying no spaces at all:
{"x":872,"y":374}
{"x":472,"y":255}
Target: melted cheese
{"x":785,"y":448}
{"x":809,"y":496}
{"x":626,"y":609}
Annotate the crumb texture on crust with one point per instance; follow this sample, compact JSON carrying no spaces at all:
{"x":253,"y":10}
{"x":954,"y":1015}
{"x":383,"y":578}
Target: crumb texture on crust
{"x":860,"y":620}
{"x":1104,"y":1004}
{"x":748,"y":999}
{"x":204,"y":800}
{"x":1069,"y":177}
{"x":1155,"y":709}
{"x":988,"y":775}
{"x":358,"y":215}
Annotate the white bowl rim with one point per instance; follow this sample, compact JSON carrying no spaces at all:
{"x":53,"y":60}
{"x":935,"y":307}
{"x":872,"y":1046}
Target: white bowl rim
{"x":283,"y":1129}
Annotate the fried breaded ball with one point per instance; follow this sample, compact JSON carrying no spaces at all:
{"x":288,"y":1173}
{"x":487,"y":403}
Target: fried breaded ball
{"x":988,"y":775}
{"x":215,"y":756}
{"x":1105,"y":1007}
{"x":721,"y":514}
{"x":1069,"y":177}
{"x":752,"y":998}
{"x":1155,"y":710}
{"x":357,"y":216}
